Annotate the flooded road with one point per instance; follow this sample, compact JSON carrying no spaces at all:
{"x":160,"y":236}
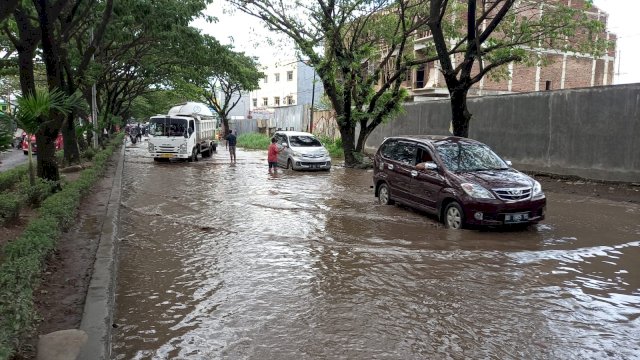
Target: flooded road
{"x":222,"y":260}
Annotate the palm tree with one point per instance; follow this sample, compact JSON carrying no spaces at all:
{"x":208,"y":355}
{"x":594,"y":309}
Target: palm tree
{"x":34,"y":111}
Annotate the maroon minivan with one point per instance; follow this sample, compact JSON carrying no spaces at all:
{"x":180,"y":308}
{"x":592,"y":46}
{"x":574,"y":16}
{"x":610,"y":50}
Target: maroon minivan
{"x":460,"y":180}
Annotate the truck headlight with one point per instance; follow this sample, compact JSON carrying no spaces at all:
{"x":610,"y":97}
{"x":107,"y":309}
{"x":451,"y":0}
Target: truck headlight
{"x":476,"y":191}
{"x":183,"y":149}
{"x":151,"y":147}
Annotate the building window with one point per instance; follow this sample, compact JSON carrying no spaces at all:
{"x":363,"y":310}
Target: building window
{"x":289,"y":75}
{"x":276,"y":101}
{"x":266,"y":79}
{"x":265,"y":101}
{"x":277,"y":76}
{"x":289,"y":100}
{"x":255,"y":102}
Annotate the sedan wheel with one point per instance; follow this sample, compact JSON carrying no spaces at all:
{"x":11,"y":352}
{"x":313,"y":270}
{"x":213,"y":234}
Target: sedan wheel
{"x":453,"y":216}
{"x":384,"y":195}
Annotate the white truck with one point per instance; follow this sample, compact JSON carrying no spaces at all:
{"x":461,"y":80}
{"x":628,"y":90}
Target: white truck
{"x":187,"y":130}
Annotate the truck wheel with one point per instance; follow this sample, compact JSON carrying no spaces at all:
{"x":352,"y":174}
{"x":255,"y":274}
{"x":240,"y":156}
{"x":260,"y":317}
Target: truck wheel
{"x":194,"y":156}
{"x":206,"y":153}
{"x":214,"y":147}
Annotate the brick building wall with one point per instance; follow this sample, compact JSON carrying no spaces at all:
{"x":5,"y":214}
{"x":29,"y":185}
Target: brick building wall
{"x":562,"y":70}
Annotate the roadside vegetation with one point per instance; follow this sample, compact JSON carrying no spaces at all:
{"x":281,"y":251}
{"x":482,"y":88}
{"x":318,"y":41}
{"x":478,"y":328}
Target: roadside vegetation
{"x":262,"y":142}
{"x":22,"y":261}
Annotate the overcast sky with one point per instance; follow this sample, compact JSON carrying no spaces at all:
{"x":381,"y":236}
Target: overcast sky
{"x":247,"y":34}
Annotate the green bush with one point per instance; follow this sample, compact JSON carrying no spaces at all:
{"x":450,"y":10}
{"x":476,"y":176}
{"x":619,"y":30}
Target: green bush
{"x":60,"y":157}
{"x":11,"y":177}
{"x":89,"y":153}
{"x":24,"y":258}
{"x":35,"y":194}
{"x":254,"y":141}
{"x":333,"y":146}
{"x":9,"y":207}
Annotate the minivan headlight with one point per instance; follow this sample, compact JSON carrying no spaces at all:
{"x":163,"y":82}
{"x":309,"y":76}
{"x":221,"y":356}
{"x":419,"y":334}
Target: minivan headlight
{"x":476,"y":191}
{"x":296,"y":154}
{"x":537,"y":190}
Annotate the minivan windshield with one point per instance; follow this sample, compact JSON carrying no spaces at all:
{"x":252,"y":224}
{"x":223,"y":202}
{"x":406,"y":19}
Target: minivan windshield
{"x":461,"y":157}
{"x":166,"y":126}
{"x":304,"y":141}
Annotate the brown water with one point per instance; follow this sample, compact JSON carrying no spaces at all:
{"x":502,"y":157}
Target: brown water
{"x":223,"y":260}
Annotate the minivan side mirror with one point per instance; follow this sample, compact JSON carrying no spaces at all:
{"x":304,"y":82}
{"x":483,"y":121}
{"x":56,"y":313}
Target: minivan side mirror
{"x":427,"y":165}
{"x":509,"y":163}
{"x":285,"y":144}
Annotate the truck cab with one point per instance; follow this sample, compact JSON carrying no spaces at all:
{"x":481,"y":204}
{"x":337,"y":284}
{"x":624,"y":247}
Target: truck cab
{"x":185,"y":132}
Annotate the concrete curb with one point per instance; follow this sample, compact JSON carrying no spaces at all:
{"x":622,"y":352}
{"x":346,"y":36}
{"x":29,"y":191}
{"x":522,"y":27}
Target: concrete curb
{"x":97,"y":318}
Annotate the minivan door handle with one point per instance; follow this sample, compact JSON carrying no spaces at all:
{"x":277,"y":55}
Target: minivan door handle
{"x":414,"y":173}
{"x":390,"y":166}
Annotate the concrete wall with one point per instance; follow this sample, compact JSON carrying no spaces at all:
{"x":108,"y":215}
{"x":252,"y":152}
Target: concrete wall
{"x":592,"y":133}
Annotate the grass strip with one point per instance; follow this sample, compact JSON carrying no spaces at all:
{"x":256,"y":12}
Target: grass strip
{"x":10,"y":177}
{"x":262,"y":142}
{"x":24,"y":258}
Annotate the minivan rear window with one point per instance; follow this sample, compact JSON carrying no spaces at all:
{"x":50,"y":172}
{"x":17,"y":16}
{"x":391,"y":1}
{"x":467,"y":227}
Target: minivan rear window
{"x":303,"y":140}
{"x":469,"y":157}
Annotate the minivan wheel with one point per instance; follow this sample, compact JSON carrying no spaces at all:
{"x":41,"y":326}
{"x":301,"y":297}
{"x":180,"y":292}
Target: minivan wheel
{"x":384,"y":195}
{"x":289,"y":164}
{"x":453,"y":216}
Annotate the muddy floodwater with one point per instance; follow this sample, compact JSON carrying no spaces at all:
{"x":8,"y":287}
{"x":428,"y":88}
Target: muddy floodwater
{"x":224,"y":261}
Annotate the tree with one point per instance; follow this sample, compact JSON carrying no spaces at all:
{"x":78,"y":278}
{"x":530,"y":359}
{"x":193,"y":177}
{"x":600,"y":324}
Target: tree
{"x":149,"y":46}
{"x":228,"y":74}
{"x":37,"y":108}
{"x":361,"y":50}
{"x":499,"y":33}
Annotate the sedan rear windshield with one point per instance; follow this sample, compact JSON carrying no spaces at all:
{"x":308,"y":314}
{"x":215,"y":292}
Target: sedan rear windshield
{"x":469,"y":157}
{"x":303,"y":140}
{"x":167,"y":126}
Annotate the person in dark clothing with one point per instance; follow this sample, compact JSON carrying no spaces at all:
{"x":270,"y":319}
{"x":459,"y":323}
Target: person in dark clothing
{"x":231,"y":142}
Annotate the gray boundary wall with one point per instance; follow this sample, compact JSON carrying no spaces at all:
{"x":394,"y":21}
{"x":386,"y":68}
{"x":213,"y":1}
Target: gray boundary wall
{"x":592,"y":133}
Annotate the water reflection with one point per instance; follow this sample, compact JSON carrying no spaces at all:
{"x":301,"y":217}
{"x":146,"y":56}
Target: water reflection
{"x":225,"y":260}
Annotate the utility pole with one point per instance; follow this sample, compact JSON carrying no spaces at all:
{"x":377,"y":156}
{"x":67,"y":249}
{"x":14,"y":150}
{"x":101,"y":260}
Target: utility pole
{"x":313,"y":96}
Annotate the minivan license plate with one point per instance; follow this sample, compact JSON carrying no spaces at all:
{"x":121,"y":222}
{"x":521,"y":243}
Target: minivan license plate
{"x":516,"y":218}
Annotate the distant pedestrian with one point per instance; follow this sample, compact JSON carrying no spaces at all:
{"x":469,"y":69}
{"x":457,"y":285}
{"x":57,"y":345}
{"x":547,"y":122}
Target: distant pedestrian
{"x":231,"y":142}
{"x":139,"y":132}
{"x":272,"y":156}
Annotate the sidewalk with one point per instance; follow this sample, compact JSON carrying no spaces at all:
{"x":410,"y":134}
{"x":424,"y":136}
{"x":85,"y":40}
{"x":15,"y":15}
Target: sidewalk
{"x":78,"y":304}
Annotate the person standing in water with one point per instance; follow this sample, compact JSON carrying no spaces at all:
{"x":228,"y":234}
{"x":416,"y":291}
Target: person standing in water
{"x":231,"y":142}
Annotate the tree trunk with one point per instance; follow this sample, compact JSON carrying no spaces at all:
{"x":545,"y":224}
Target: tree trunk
{"x":363,"y":135}
{"x":460,"y":115}
{"x":47,"y":166}
{"x":225,"y":127}
{"x":348,"y":141}
{"x":71,"y":151}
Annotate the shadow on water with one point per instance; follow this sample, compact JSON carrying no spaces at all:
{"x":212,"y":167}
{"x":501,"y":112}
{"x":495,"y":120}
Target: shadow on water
{"x":223,"y":260}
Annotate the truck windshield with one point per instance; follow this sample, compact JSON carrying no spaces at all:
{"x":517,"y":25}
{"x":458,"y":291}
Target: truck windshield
{"x":167,"y":126}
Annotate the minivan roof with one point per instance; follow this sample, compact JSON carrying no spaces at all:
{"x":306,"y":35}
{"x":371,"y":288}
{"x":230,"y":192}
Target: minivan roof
{"x":435,"y":139}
